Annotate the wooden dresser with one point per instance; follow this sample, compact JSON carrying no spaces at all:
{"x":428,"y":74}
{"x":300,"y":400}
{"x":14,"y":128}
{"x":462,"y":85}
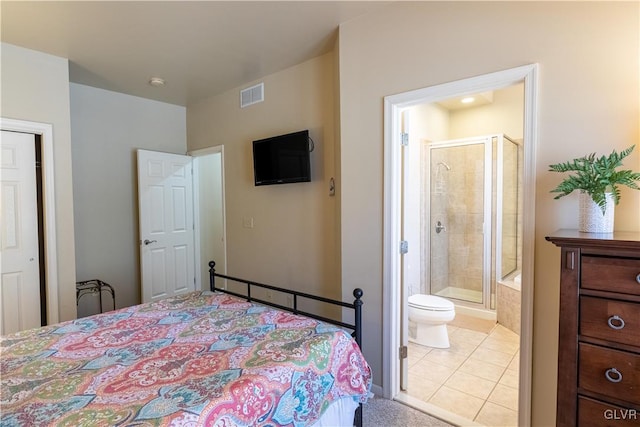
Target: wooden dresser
{"x":599,"y":330}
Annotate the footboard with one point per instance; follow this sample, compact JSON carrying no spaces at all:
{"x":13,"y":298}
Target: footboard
{"x":356,"y":327}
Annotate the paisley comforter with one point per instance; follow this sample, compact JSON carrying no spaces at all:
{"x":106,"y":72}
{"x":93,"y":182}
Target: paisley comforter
{"x":197,"y":359}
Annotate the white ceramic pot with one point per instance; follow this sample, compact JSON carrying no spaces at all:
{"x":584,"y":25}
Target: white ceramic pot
{"x":591,"y":219}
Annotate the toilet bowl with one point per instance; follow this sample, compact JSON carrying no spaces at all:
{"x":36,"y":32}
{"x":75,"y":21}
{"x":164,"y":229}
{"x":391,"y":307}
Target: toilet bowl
{"x":428,"y":318}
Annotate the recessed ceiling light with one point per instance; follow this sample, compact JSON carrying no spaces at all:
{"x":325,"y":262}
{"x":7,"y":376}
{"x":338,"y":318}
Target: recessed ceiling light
{"x":156,"y":81}
{"x":467,"y":100}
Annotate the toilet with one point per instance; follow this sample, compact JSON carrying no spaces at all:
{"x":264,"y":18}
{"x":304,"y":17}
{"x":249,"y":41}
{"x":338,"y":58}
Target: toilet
{"x":428,"y":318}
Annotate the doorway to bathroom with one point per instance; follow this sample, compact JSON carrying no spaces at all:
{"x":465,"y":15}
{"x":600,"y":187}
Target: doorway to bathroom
{"x":456,"y":196}
{"x":467,"y":244}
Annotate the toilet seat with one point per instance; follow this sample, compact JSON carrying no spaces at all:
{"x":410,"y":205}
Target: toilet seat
{"x":430,"y":302}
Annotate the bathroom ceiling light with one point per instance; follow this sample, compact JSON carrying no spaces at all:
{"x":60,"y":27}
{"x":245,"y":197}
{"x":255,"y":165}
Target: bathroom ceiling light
{"x":156,"y":81}
{"x":460,"y":102}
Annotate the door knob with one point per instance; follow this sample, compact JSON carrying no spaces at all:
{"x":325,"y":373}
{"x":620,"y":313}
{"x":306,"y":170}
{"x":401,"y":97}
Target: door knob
{"x":148,"y":242}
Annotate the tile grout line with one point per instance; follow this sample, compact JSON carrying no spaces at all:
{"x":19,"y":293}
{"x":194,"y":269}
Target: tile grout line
{"x":495,"y":384}
{"x":492,"y":390}
{"x":468,"y":357}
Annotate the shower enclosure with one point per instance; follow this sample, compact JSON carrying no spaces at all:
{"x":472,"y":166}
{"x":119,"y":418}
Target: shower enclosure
{"x":471,"y":223}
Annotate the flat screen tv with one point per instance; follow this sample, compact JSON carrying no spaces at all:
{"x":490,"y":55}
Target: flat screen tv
{"x":282,"y":159}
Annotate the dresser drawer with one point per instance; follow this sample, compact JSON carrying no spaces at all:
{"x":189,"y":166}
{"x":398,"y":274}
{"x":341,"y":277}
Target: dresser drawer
{"x":610,"y":320}
{"x":593,"y":413}
{"x":609,"y":372}
{"x":611,"y":274}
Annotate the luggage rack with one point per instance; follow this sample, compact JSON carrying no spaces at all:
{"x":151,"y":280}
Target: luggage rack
{"x":91,"y":287}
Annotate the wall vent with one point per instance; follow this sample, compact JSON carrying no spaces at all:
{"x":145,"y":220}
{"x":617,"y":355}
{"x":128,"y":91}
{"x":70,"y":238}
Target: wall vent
{"x":252,"y":95}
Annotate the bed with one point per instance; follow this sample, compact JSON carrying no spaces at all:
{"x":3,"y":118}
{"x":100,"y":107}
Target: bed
{"x":214,"y":358}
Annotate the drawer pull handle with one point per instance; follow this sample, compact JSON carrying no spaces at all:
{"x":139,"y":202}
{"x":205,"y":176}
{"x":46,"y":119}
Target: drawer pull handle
{"x":638,"y":278}
{"x":613,"y":375}
{"x":615,"y":322}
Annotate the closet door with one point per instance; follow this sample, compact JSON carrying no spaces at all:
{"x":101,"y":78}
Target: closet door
{"x":20,"y":273}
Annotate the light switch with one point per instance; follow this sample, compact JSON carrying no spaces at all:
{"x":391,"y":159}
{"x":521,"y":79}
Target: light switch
{"x":247,"y":222}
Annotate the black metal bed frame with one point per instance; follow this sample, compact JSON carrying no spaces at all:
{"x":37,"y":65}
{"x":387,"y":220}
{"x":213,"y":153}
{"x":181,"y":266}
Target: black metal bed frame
{"x":356,"y":306}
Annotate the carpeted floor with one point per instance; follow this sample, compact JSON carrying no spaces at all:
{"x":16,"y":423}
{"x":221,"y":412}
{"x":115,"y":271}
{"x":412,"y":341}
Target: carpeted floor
{"x":379,"y":412}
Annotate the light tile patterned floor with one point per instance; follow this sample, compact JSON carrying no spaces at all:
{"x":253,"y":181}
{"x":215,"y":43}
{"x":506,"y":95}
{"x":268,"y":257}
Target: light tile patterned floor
{"x":476,"y":378}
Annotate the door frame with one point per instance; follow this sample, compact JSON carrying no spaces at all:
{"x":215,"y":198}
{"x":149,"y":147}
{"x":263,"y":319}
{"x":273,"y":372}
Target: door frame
{"x":393,"y":106}
{"x":45,"y":131}
{"x":196,"y":210}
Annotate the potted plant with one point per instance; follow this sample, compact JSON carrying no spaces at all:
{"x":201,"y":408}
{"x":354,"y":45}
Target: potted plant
{"x":598,"y":181}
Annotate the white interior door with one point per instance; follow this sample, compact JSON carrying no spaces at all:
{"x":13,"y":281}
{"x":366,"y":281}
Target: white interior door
{"x":20,"y":283}
{"x":167,"y":249}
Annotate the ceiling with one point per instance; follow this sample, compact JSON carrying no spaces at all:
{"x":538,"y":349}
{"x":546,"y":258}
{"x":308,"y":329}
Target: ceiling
{"x":465,"y":102}
{"x":200,"y":48}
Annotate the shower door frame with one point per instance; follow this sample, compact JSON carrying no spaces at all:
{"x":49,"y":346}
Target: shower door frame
{"x":487,"y":229}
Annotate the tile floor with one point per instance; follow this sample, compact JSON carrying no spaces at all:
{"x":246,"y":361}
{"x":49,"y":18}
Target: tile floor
{"x":476,"y":378}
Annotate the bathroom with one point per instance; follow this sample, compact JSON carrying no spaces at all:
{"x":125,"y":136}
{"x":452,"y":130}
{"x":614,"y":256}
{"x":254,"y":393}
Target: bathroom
{"x":463,"y":216}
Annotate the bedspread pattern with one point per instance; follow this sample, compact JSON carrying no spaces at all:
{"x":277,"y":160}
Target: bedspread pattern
{"x":196,"y":359}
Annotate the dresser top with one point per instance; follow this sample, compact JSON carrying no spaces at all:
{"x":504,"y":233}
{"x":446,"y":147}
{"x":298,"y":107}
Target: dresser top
{"x":617,"y":239}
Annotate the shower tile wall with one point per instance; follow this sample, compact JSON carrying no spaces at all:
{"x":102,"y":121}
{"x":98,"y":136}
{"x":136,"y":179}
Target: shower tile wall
{"x":468,"y":212}
{"x":438,"y":265}
{"x":455,"y":197}
{"x":465,"y":213}
{"x":457,"y":201}
{"x":520,"y":223}
{"x":510,"y":209}
{"x":440,"y":244}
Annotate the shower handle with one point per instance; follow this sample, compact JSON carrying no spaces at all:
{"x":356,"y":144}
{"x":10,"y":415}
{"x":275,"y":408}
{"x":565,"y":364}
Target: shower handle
{"x":440,"y":227}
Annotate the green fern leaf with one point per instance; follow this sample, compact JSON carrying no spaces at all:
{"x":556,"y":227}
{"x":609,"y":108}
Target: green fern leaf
{"x":596,"y":176}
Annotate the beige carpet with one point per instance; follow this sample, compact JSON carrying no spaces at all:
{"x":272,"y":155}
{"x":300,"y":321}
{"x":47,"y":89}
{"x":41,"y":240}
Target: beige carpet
{"x":379,"y":412}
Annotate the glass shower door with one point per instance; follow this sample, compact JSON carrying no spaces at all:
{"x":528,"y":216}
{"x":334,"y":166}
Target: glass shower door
{"x":457,"y":209}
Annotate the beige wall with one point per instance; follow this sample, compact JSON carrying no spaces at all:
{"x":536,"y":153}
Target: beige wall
{"x":428,"y":123}
{"x":504,"y":115}
{"x":35,"y":87}
{"x":293,"y":238}
{"x":588,"y":101}
{"x":107,"y":128}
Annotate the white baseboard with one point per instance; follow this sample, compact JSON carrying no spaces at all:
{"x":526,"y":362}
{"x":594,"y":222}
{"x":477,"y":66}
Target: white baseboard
{"x":377,"y":390}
